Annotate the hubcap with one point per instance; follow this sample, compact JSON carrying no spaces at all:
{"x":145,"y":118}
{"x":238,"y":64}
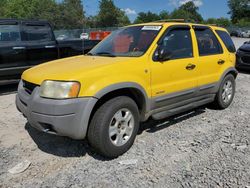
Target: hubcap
{"x":121,"y":127}
{"x":227,"y":91}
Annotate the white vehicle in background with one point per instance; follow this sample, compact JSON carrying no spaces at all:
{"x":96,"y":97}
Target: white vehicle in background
{"x":84,"y":36}
{"x":246,"y":34}
{"x":62,"y":37}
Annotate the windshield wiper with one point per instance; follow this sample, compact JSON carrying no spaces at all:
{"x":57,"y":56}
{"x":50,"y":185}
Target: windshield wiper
{"x":105,"y":54}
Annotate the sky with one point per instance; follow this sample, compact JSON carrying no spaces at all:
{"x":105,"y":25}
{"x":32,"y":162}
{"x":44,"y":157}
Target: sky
{"x":207,"y":8}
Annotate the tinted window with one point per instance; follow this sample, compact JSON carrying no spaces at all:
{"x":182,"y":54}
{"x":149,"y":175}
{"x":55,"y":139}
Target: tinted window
{"x":207,"y":42}
{"x":37,"y":32}
{"x":9,"y":33}
{"x":226,"y":40}
{"x":131,"y":41}
{"x":178,"y":42}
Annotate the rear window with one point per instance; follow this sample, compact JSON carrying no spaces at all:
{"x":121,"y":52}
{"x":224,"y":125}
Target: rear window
{"x":9,"y":33}
{"x":37,"y":32}
{"x":226,"y":40}
{"x":207,"y":42}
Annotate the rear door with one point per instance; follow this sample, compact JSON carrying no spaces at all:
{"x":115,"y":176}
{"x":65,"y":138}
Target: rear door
{"x":12,"y":48}
{"x":40,"y":42}
{"x":212,"y":59}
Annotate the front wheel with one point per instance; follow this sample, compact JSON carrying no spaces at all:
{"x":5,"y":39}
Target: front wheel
{"x":226,"y":92}
{"x":114,"y":126}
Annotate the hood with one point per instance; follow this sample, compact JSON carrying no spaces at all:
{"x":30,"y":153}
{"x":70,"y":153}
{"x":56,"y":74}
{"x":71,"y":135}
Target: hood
{"x":245,"y":47}
{"x":73,"y":68}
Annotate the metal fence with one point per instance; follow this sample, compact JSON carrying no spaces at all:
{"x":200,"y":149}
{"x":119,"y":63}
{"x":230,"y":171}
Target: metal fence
{"x":76,"y":33}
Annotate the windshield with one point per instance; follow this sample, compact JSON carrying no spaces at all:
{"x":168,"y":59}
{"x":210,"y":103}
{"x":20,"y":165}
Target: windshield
{"x":127,"y":42}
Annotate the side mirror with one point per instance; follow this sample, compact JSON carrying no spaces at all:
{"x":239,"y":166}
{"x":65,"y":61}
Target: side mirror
{"x":162,"y":54}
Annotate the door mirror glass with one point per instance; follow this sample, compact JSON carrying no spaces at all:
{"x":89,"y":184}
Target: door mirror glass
{"x":162,"y":54}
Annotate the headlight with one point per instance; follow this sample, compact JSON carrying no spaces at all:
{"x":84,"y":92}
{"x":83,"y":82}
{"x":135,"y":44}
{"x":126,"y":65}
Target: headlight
{"x":59,"y":89}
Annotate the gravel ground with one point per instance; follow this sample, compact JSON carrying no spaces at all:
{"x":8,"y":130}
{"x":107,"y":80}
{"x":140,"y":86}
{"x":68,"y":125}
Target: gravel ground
{"x":201,"y":148}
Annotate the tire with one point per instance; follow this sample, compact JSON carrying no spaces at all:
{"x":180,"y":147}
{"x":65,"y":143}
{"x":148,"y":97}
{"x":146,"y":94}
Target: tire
{"x":112,"y":131}
{"x":225,"y":95}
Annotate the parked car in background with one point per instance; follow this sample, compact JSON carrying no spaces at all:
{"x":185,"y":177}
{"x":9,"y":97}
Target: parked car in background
{"x":25,"y":43}
{"x":243,"y":57}
{"x":246,"y":34}
{"x":137,"y":72}
{"x":84,"y":36}
{"x":62,"y":37}
{"x":236,"y":33}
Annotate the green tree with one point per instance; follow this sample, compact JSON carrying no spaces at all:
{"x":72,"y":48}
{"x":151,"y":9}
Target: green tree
{"x":90,"y":22}
{"x":181,"y":14}
{"x":239,"y":10}
{"x":192,"y":11}
{"x":164,"y":15}
{"x":72,"y":14}
{"x":110,"y":16}
{"x":147,"y":17}
{"x":225,"y":22}
{"x":68,"y":14}
{"x":2,"y":8}
{"x":123,"y":19}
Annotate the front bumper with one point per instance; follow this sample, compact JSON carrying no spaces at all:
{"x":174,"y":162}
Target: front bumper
{"x":68,"y":117}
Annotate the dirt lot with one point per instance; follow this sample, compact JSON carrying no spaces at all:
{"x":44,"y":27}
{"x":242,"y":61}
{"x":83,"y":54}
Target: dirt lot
{"x":201,"y":148}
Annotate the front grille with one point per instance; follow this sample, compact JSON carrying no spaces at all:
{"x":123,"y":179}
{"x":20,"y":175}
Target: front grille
{"x":29,"y":87}
{"x":246,"y":59}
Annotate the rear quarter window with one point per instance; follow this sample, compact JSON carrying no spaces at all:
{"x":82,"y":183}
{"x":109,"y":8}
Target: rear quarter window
{"x":34,"y":32}
{"x":226,"y":40}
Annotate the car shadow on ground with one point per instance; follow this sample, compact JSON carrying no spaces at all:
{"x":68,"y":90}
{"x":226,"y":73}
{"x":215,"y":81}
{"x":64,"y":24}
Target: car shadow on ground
{"x":8,"y":88}
{"x":57,"y":145}
{"x":152,"y":126}
{"x":244,"y":72}
{"x":66,"y":147}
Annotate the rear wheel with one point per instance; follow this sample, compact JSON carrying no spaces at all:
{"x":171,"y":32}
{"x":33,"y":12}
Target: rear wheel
{"x":226,"y":92}
{"x":114,"y":127}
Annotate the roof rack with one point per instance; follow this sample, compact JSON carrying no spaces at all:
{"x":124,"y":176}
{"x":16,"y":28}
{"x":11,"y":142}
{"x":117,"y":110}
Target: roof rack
{"x":171,"y":20}
{"x":178,"y":20}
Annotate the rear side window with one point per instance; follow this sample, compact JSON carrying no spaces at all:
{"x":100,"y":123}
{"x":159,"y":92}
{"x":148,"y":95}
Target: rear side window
{"x":9,"y":33}
{"x":226,"y":40}
{"x":179,"y":43}
{"x":37,"y":32}
{"x":207,"y":42}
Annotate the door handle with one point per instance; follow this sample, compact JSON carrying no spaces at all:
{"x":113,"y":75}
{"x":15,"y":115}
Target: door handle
{"x":19,"y":48}
{"x":52,"y":46}
{"x":221,"y":62}
{"x":190,"y":66}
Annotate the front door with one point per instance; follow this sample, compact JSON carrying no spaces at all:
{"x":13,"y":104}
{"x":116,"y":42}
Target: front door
{"x":175,"y":79}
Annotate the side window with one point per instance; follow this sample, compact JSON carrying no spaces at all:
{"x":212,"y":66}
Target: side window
{"x":9,"y":33}
{"x":208,"y":44}
{"x":178,"y":42}
{"x":226,"y":40}
{"x":37,"y":32}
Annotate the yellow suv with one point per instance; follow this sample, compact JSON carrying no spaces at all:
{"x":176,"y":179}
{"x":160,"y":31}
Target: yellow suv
{"x":140,"y":71}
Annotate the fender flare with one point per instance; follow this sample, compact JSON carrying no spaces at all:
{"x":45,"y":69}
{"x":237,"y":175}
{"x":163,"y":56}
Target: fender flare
{"x":124,"y":85}
{"x":231,"y":69}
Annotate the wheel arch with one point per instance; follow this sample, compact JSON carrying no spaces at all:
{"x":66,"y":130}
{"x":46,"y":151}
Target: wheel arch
{"x":130,"y":89}
{"x":231,"y":70}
